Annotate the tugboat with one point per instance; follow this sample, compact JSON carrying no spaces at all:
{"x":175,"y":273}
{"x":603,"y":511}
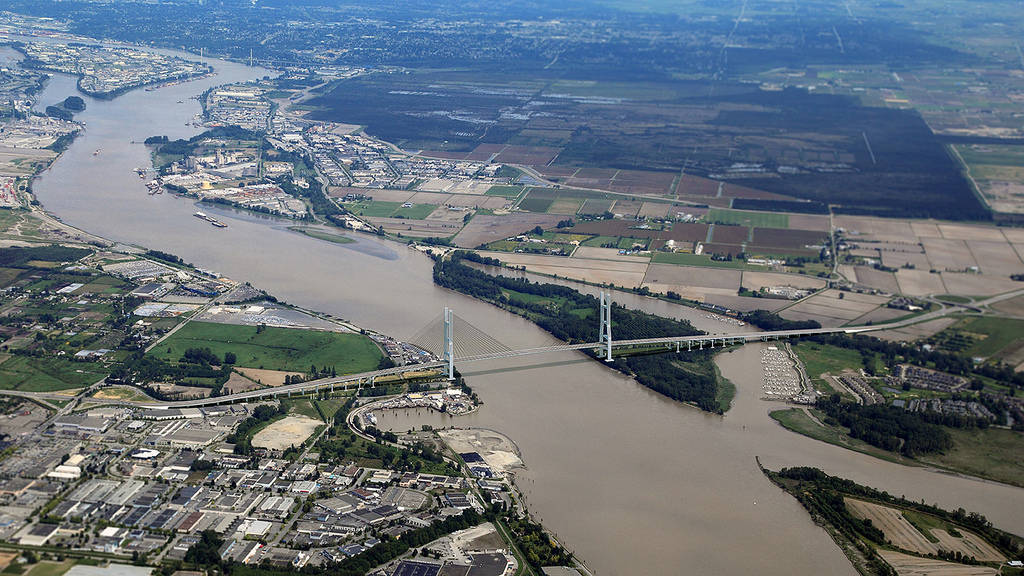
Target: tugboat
{"x":200,"y":215}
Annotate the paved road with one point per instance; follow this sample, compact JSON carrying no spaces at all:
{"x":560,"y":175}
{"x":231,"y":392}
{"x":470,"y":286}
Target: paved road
{"x":683,"y":342}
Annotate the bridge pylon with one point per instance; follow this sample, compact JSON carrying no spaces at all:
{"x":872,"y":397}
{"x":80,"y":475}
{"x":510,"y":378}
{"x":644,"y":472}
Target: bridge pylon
{"x":606,"y":327}
{"x":448,"y":354}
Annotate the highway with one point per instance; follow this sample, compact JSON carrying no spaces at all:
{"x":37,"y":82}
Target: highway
{"x":367,"y":378}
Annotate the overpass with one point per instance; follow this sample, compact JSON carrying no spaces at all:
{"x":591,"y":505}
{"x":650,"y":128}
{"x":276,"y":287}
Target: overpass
{"x":605,"y":347}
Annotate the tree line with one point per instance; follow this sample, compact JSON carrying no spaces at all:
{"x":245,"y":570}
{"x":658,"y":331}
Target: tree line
{"x":887,"y":427}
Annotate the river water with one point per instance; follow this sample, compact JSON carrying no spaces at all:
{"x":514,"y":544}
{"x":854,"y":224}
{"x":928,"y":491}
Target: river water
{"x":630,"y":481}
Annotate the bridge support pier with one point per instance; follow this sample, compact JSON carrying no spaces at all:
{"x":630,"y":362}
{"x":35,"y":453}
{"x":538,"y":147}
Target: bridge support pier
{"x":606,"y":326}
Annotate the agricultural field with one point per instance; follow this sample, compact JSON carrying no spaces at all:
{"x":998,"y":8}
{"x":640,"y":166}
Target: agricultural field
{"x":986,"y":337}
{"x":916,"y":565}
{"x":835,"y":308}
{"x":505,"y":191}
{"x":641,"y":183}
{"x":921,"y":533}
{"x":48,"y":374}
{"x":381,"y":209}
{"x":418,"y":228}
{"x":627,"y":272}
{"x":745,"y":218}
{"x":703,"y":260}
{"x":275,"y":348}
{"x":997,"y":172}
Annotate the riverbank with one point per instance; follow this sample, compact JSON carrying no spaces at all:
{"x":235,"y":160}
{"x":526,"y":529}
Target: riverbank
{"x":572,"y":417}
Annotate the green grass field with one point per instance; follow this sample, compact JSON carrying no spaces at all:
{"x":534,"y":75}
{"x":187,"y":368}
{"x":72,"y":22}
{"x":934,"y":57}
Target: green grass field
{"x":598,"y":241}
{"x":819,"y":359}
{"x":303,"y":406}
{"x":506,"y":191}
{"x":996,"y":454}
{"x":531,"y":204}
{"x":924,"y":523}
{"x":995,"y":334}
{"x":741,"y":218}
{"x":990,"y":155}
{"x":415,"y":212}
{"x":373,"y":208}
{"x":48,"y":374}
{"x":48,"y":568}
{"x":275,"y":348}
{"x":330,"y":407}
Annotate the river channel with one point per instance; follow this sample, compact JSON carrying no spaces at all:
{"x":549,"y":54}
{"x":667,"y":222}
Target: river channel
{"x":630,"y":481}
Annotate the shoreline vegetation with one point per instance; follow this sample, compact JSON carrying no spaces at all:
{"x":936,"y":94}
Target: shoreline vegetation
{"x":838,"y":506}
{"x":688,"y":377}
{"x":986,"y":454}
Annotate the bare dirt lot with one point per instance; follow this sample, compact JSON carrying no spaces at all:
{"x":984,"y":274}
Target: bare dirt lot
{"x":1015,"y":235}
{"x":594,"y":253}
{"x":907,"y":565}
{"x":1012,"y":306}
{"x":925,"y":229}
{"x":429,"y":198}
{"x":876,"y":278}
{"x":901,"y":259}
{"x":829,"y":304}
{"x":904,"y":535}
{"x":879,"y":315}
{"x":897,"y":529}
{"x":421,"y":228}
{"x":996,"y":258}
{"x":874,"y":226}
{"x":917,"y":331}
{"x":626,"y":272}
{"x":978,"y":285}
{"x":919,"y":282}
{"x":809,"y":222}
{"x":498,"y":450}
{"x":485,"y":229}
{"x":961,"y":232}
{"x":745,"y":304}
{"x":654,"y":210}
{"x":825,"y":308}
{"x":757,"y":280}
{"x":825,"y":321}
{"x":692,"y":276}
{"x":6,"y":558}
{"x":948,"y":254}
{"x":238,"y":383}
{"x":290,"y":431}
{"x":265,"y":377}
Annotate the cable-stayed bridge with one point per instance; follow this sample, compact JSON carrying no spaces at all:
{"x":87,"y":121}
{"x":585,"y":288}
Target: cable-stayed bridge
{"x":455,"y":341}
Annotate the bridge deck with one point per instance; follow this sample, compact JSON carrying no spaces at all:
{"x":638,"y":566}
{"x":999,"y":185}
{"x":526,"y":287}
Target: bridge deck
{"x":329,"y":383}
